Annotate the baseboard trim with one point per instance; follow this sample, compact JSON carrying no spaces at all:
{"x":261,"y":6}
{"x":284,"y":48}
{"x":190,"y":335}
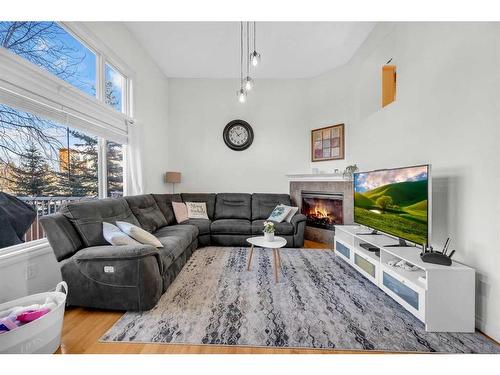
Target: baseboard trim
{"x":489,"y":329}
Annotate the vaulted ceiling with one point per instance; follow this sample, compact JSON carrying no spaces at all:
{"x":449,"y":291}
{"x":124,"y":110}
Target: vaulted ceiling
{"x":288,"y":49}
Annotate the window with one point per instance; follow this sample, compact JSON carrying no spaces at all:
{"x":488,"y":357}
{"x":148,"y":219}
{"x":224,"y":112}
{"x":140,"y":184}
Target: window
{"x":114,"y":88}
{"x":40,"y":158}
{"x":46,"y":164}
{"x":49,"y":46}
{"x":114,"y":169}
{"x":58,"y":144}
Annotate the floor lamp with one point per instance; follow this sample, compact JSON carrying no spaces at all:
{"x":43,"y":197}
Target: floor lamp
{"x":173,"y":178}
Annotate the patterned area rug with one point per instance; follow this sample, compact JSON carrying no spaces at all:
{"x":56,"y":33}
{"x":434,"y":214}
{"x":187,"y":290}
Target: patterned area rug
{"x":320,"y":302}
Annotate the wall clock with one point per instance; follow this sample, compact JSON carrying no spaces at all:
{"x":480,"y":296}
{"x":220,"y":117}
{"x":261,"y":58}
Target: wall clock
{"x":238,"y":135}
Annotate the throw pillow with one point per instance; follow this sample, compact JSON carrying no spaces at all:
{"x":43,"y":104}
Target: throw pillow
{"x":180,"y":212}
{"x":293,"y":211}
{"x":279,"y":213}
{"x":115,"y":236}
{"x":139,"y":234}
{"x":197,"y":210}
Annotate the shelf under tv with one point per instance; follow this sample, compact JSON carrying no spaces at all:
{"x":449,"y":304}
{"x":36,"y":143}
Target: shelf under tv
{"x":442,"y":297}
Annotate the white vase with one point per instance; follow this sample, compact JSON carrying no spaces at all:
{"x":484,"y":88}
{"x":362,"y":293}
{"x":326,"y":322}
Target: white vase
{"x":269,"y":236}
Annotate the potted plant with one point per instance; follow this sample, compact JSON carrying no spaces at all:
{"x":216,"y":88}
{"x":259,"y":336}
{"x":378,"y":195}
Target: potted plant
{"x":269,"y":231}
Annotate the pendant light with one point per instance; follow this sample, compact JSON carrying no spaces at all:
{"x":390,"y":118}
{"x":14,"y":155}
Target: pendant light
{"x":255,"y":57}
{"x":241,"y":93}
{"x":248,"y":80}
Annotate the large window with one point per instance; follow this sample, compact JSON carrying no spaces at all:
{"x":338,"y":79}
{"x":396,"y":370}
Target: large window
{"x":46,"y":164}
{"x":49,"y":46}
{"x":56,"y":144}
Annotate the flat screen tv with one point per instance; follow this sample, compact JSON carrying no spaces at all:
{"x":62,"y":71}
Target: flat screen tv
{"x":395,"y":201}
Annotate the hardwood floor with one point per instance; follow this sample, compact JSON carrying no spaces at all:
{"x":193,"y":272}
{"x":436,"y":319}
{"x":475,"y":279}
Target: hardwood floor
{"x":83,"y":328}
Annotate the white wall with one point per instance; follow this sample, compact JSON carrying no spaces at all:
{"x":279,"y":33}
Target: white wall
{"x":199,"y":109}
{"x":447,"y":113}
{"x":150,"y":101}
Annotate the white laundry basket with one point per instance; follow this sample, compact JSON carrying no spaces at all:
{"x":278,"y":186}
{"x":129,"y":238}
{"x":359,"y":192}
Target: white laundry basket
{"x":39,"y":336}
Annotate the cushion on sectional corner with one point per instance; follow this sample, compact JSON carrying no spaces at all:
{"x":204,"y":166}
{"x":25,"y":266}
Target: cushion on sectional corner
{"x":164,"y":202}
{"x":147,"y":212}
{"x":87,"y":217}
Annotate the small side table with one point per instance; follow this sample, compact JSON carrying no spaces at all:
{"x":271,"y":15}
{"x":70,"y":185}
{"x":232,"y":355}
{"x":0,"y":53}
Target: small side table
{"x":275,"y":245}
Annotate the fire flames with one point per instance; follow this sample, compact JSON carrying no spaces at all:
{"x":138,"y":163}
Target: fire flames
{"x":322,"y":213}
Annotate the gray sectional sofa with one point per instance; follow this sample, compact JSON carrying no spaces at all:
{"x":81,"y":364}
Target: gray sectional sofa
{"x":134,"y":277}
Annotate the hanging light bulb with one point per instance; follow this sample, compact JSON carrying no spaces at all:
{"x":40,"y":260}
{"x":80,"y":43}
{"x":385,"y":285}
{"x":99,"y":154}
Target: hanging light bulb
{"x":248,"y":83}
{"x":255,"y":56}
{"x":242,"y":95}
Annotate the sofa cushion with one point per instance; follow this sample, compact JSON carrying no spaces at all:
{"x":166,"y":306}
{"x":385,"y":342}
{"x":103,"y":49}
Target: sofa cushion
{"x":208,"y":198}
{"x":147,"y":212}
{"x":280,"y":228}
{"x":88,"y":216}
{"x":264,"y":204}
{"x":203,"y":225}
{"x":185,"y":231}
{"x":138,"y":234}
{"x":116,"y":237}
{"x":197,"y":210}
{"x":180,"y":212}
{"x":233,"y":206}
{"x":231,"y":226}
{"x":175,"y":240}
{"x":164,"y":202}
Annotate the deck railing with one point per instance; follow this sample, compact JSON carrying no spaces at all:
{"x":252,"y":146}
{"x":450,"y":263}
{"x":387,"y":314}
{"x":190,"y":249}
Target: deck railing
{"x":45,"y":206}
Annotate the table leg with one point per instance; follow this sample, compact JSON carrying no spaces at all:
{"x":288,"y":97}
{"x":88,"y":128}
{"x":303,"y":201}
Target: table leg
{"x":275,"y":257}
{"x":250,"y":258}
{"x":279,"y":258}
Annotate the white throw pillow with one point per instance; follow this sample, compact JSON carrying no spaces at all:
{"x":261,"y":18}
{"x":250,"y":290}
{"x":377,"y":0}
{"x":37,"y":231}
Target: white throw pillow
{"x":139,"y":234}
{"x":279,"y":213}
{"x":115,"y":236}
{"x":293,"y":211}
{"x":197,"y":210}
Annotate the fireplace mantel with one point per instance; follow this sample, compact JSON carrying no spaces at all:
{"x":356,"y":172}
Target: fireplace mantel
{"x":316,"y":177}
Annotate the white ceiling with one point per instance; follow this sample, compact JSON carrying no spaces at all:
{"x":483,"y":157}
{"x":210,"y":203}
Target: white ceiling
{"x":288,"y":49}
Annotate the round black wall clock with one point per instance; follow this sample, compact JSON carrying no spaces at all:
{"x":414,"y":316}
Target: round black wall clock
{"x":238,"y":135}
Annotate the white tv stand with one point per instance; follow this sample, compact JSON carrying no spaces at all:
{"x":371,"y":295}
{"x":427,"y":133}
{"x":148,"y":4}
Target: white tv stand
{"x":442,"y":297}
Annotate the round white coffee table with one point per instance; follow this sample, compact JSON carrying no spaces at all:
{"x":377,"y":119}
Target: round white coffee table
{"x":275,"y":245}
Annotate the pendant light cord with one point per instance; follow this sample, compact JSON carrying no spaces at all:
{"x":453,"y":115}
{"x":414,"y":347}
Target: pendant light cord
{"x":254,"y":35}
{"x":241,"y":54}
{"x":248,"y":49}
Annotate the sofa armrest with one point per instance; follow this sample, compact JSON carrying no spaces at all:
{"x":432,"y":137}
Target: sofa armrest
{"x":299,"y":224}
{"x":297,"y":218}
{"x":110,"y":252}
{"x":62,"y":235}
{"x":114,"y":277}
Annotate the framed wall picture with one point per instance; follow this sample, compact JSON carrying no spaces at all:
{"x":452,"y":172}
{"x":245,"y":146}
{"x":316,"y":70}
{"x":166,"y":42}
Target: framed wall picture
{"x":327,"y":143}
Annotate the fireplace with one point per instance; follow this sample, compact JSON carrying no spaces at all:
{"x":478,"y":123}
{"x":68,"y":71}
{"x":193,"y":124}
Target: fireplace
{"x":322,"y":209}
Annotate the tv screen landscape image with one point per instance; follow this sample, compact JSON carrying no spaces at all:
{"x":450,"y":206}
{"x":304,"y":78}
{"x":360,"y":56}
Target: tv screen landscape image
{"x":394,"y":201}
